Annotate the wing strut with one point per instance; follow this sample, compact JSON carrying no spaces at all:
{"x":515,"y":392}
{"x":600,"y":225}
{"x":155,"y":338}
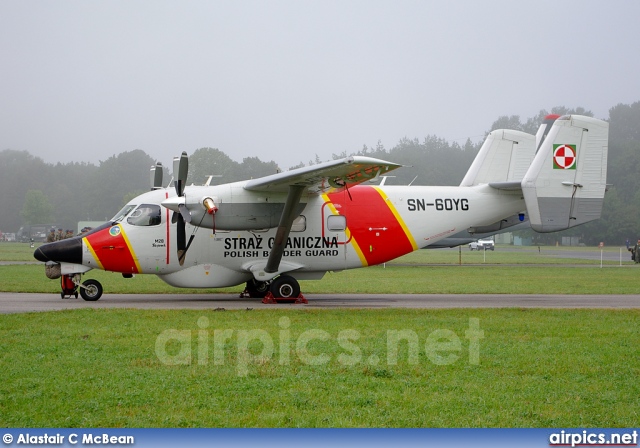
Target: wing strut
{"x":286,"y":221}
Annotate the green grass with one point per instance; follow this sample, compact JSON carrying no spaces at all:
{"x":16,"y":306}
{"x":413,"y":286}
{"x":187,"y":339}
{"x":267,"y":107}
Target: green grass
{"x":525,"y":271}
{"x":16,"y":251}
{"x":508,"y":255}
{"x":537,"y":368}
{"x":393,"y":279}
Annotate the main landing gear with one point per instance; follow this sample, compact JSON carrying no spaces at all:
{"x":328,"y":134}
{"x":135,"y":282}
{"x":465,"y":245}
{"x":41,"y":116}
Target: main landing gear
{"x":283,"y":288}
{"x":90,"y":290}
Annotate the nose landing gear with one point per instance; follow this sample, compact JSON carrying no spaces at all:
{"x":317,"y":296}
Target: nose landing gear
{"x":90,"y":290}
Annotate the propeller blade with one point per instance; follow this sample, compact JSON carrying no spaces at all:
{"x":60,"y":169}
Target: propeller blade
{"x":184,"y":211}
{"x":180,"y":172}
{"x":183,"y":254}
{"x":156,"y":176}
{"x":181,"y":238}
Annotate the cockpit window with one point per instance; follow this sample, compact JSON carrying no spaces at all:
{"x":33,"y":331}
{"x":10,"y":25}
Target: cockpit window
{"x":146,"y":215}
{"x":123,"y":213}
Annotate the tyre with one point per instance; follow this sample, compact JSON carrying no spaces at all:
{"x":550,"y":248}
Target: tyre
{"x":285,"y":287}
{"x":92,"y":290}
{"x":257,"y":289}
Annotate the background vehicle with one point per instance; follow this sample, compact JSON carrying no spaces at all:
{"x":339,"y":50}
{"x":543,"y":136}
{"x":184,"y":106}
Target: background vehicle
{"x":482,"y":245}
{"x":35,"y":232}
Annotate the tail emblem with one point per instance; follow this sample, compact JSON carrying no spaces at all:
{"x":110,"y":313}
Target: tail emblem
{"x":564,"y":157}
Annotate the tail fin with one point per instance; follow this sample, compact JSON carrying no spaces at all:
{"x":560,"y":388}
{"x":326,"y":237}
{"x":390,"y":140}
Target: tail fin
{"x":565,"y":185}
{"x":504,"y":156}
{"x":544,"y":129}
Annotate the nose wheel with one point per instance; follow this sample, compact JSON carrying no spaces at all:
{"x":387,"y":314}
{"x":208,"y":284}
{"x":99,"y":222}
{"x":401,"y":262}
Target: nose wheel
{"x":91,"y":290}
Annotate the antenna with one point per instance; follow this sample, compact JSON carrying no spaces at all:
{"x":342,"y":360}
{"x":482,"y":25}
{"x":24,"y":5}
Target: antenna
{"x":384,"y":179}
{"x":211,"y":176}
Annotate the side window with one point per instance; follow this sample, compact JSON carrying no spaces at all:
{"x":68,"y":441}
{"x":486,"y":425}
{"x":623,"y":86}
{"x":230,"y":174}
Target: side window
{"x":146,"y":215}
{"x":336,"y":223}
{"x":299,"y":224}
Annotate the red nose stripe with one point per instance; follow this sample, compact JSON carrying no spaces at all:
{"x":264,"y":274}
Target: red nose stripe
{"x":112,"y":250}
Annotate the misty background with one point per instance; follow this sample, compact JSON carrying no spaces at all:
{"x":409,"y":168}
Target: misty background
{"x":287,"y":81}
{"x":93,"y":93}
{"x":37,"y":192}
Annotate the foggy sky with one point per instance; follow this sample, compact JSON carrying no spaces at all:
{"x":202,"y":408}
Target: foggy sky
{"x":288,"y":80}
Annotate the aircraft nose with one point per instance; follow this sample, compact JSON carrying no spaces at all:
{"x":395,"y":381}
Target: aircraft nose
{"x":68,"y":251}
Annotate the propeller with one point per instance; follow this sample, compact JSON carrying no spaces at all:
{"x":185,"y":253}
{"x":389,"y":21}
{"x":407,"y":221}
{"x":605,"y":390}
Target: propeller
{"x":180,"y":171}
{"x":156,"y":176}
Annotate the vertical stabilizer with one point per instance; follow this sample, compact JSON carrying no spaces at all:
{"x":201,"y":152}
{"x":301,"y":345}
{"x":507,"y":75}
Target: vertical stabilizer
{"x":565,"y":185}
{"x":544,"y":129}
{"x":504,"y":156}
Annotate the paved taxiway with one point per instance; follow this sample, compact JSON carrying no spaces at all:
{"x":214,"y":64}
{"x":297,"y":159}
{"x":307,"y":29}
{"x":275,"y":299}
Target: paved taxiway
{"x":20,"y":303}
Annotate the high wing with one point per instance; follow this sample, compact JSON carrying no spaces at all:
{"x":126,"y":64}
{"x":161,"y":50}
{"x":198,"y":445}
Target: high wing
{"x":234,"y":211}
{"x":336,"y":174}
{"x":324,"y":176}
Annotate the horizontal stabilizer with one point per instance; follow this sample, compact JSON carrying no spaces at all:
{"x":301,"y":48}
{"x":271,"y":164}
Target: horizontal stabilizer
{"x":501,"y":225}
{"x":565,"y":185}
{"x":507,"y":186}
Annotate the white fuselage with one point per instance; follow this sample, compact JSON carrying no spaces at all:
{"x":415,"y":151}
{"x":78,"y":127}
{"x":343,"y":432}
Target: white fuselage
{"x":363,"y":226}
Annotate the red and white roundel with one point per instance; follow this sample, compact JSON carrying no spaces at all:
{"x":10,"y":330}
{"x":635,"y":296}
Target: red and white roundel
{"x":564,"y":157}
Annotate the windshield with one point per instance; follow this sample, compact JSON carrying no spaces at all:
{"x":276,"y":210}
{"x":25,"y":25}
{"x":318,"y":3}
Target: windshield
{"x":146,"y":215}
{"x":122,"y":213}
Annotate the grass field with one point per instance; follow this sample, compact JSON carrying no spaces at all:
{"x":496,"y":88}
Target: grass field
{"x":526,"y":271}
{"x":332,"y":368}
{"x":390,"y":280}
{"x":534,"y":368}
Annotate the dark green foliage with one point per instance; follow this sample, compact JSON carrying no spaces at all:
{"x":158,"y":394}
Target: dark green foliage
{"x":434,"y":161}
{"x":19,"y":173}
{"x":206,"y":162}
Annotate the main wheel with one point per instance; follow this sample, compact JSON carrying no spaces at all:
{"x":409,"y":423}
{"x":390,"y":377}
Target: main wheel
{"x":257,"y":289}
{"x":285,"y":287}
{"x":92,"y":290}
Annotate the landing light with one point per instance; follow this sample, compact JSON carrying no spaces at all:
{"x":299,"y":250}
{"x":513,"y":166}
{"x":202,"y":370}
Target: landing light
{"x":210,"y":205}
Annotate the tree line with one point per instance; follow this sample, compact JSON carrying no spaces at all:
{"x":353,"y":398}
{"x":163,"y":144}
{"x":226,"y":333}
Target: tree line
{"x":36,"y":192}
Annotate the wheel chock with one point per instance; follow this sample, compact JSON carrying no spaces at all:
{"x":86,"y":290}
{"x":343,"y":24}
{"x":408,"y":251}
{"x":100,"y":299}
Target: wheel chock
{"x":270,"y":300}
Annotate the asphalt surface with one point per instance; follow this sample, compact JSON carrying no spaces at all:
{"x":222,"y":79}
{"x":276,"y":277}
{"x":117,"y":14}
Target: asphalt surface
{"x":21,"y":302}
{"x":25,"y":302}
